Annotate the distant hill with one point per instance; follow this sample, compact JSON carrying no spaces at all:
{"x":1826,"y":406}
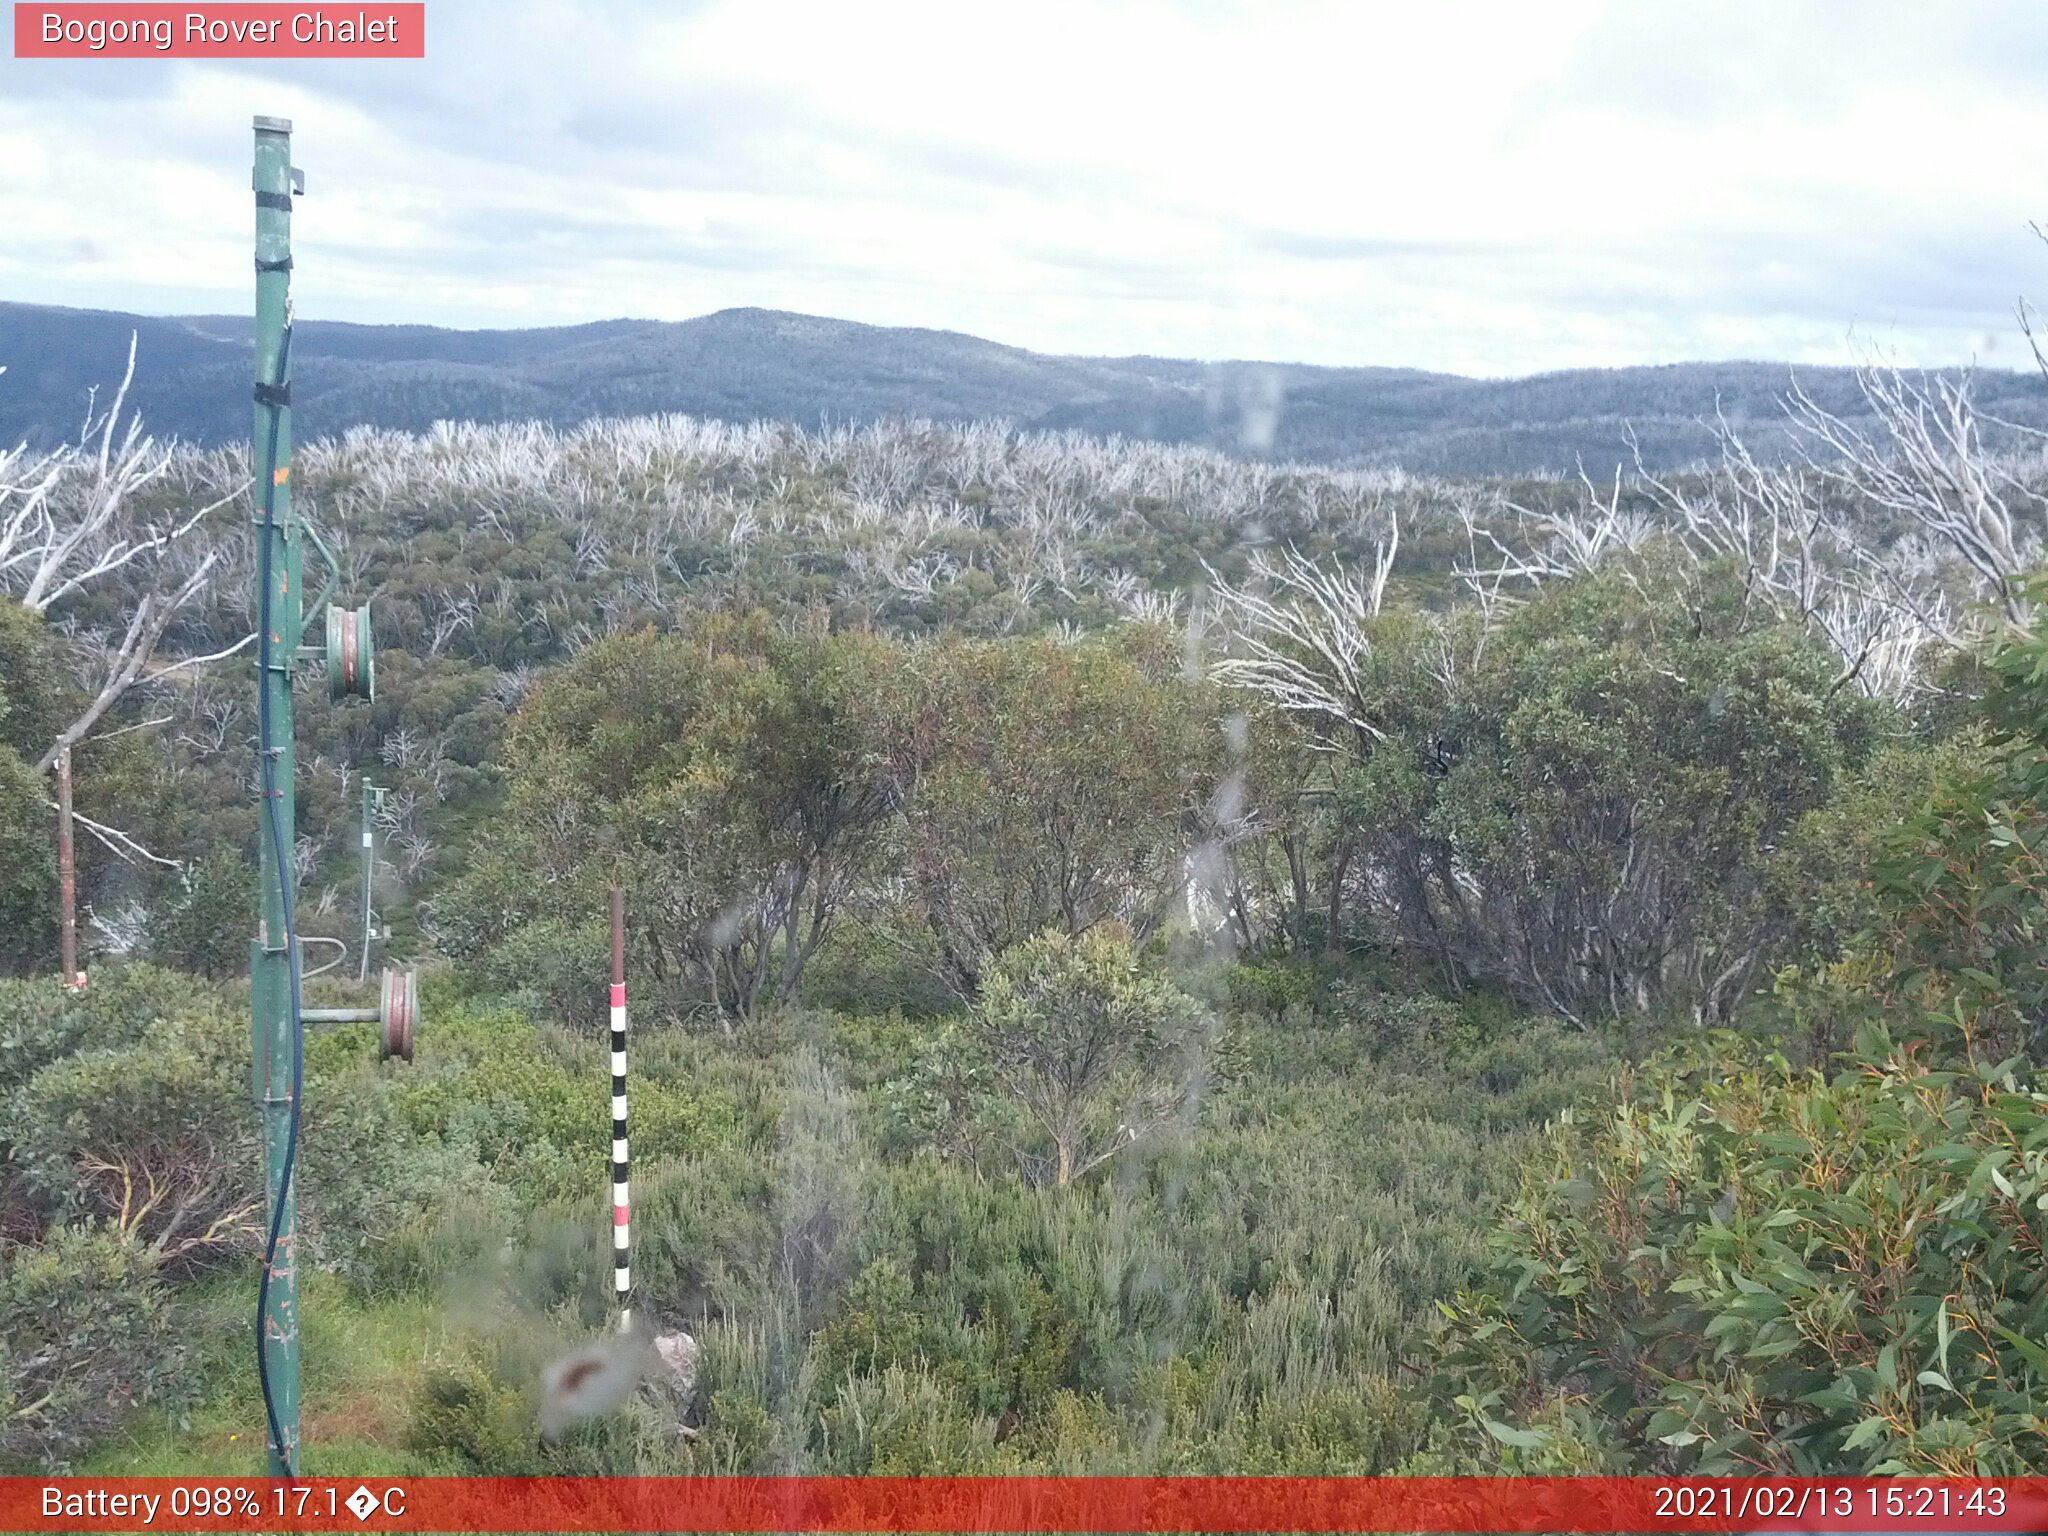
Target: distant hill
{"x":747,"y":364}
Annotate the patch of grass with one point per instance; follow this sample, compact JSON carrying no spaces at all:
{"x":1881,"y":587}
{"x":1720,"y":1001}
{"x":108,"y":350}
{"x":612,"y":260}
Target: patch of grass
{"x":359,"y":1360}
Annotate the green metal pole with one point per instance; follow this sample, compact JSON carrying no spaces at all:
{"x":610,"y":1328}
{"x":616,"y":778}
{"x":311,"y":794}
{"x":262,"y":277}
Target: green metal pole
{"x":270,"y":956}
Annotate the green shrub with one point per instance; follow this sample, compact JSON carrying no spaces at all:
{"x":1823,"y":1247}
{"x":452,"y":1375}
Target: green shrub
{"x":1339,"y":1428}
{"x":28,"y":868}
{"x":1271,"y":987}
{"x":86,"y":1335}
{"x":945,"y":1102}
{"x":1096,"y":1051}
{"x":156,"y":1137}
{"x":205,"y":928}
{"x":904,"y":1423}
{"x":863,"y":968}
{"x":492,"y":1404}
{"x":451,"y":1244}
{"x":1745,"y":1266}
{"x":379,"y":1203}
{"x":553,"y":968}
{"x":535,"y":1107}
{"x":1962,"y":892}
{"x":42,"y":1021}
{"x":466,"y":1413}
{"x":874,"y":1047}
{"x":1531,"y":1075}
{"x":705,"y":1239}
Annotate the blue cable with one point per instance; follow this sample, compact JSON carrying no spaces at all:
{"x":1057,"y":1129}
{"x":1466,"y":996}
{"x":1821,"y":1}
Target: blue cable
{"x":267,"y":756}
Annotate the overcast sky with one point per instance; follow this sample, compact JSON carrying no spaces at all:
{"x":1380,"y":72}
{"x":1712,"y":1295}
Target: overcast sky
{"x":1488,"y":189}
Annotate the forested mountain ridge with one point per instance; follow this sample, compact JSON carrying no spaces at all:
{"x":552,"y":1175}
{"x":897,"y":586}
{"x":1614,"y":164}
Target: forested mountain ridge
{"x":754,"y":364}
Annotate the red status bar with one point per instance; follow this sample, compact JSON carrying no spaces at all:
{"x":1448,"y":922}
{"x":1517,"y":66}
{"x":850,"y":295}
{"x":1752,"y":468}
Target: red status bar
{"x":1064,"y":1504}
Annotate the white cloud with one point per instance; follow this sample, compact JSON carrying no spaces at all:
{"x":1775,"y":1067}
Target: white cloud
{"x":1485,"y":188}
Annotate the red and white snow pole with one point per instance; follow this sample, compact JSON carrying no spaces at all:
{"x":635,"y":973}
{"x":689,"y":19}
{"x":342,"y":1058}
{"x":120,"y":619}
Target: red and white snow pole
{"x":622,"y":1239}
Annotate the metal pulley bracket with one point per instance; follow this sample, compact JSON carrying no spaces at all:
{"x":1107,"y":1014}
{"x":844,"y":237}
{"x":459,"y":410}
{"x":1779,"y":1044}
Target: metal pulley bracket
{"x":349,"y":654}
{"x":351,"y":659}
{"x":396,"y":1015}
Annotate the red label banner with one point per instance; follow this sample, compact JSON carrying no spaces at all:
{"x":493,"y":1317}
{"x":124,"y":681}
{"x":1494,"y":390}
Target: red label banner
{"x":1063,"y":1504}
{"x":264,"y":31}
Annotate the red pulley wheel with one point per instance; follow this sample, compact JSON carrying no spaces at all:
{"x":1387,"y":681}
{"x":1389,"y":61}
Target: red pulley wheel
{"x":399,"y":1009}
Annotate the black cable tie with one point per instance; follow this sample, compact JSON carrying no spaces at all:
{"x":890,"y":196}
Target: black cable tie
{"x":275,"y":396}
{"x":280,"y":201}
{"x":273,"y":266}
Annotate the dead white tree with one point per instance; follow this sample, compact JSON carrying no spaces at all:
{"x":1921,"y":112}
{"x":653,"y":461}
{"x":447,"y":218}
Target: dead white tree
{"x":1547,"y":546}
{"x":1805,"y":535}
{"x":1802,"y":532}
{"x":452,"y":614}
{"x":1929,"y":465}
{"x":124,"y":847}
{"x":1302,"y":642}
{"x":68,"y":519}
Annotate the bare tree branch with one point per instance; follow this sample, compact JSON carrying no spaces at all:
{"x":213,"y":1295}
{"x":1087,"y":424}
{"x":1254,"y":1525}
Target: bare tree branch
{"x":68,"y":520}
{"x":124,"y":846}
{"x":1304,"y":649}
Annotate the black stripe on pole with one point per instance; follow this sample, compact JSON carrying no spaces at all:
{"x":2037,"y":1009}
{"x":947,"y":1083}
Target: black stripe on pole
{"x":618,"y":1039}
{"x":618,"y":1082}
{"x":619,"y":1258}
{"x":619,"y":1170}
{"x":618,"y":1130}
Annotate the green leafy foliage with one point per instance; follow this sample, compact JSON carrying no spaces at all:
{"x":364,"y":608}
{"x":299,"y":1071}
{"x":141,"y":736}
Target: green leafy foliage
{"x":731,"y":777}
{"x":42,"y":1021}
{"x":33,"y":690}
{"x":204,"y":929}
{"x":28,"y":855}
{"x":87,"y":1334}
{"x":1098,"y":1051}
{"x":154,"y":1137}
{"x":1744,"y":1267}
{"x":1634,"y":766}
{"x":1060,"y":791}
{"x":474,"y":1417}
{"x":1747,"y":1264}
{"x":527,"y":1104}
{"x":1586,"y":806}
{"x":389,"y":1205}
{"x":1965,"y":885}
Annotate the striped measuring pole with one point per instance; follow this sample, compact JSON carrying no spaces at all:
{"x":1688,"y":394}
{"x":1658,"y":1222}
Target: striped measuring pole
{"x":622,"y":1217}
